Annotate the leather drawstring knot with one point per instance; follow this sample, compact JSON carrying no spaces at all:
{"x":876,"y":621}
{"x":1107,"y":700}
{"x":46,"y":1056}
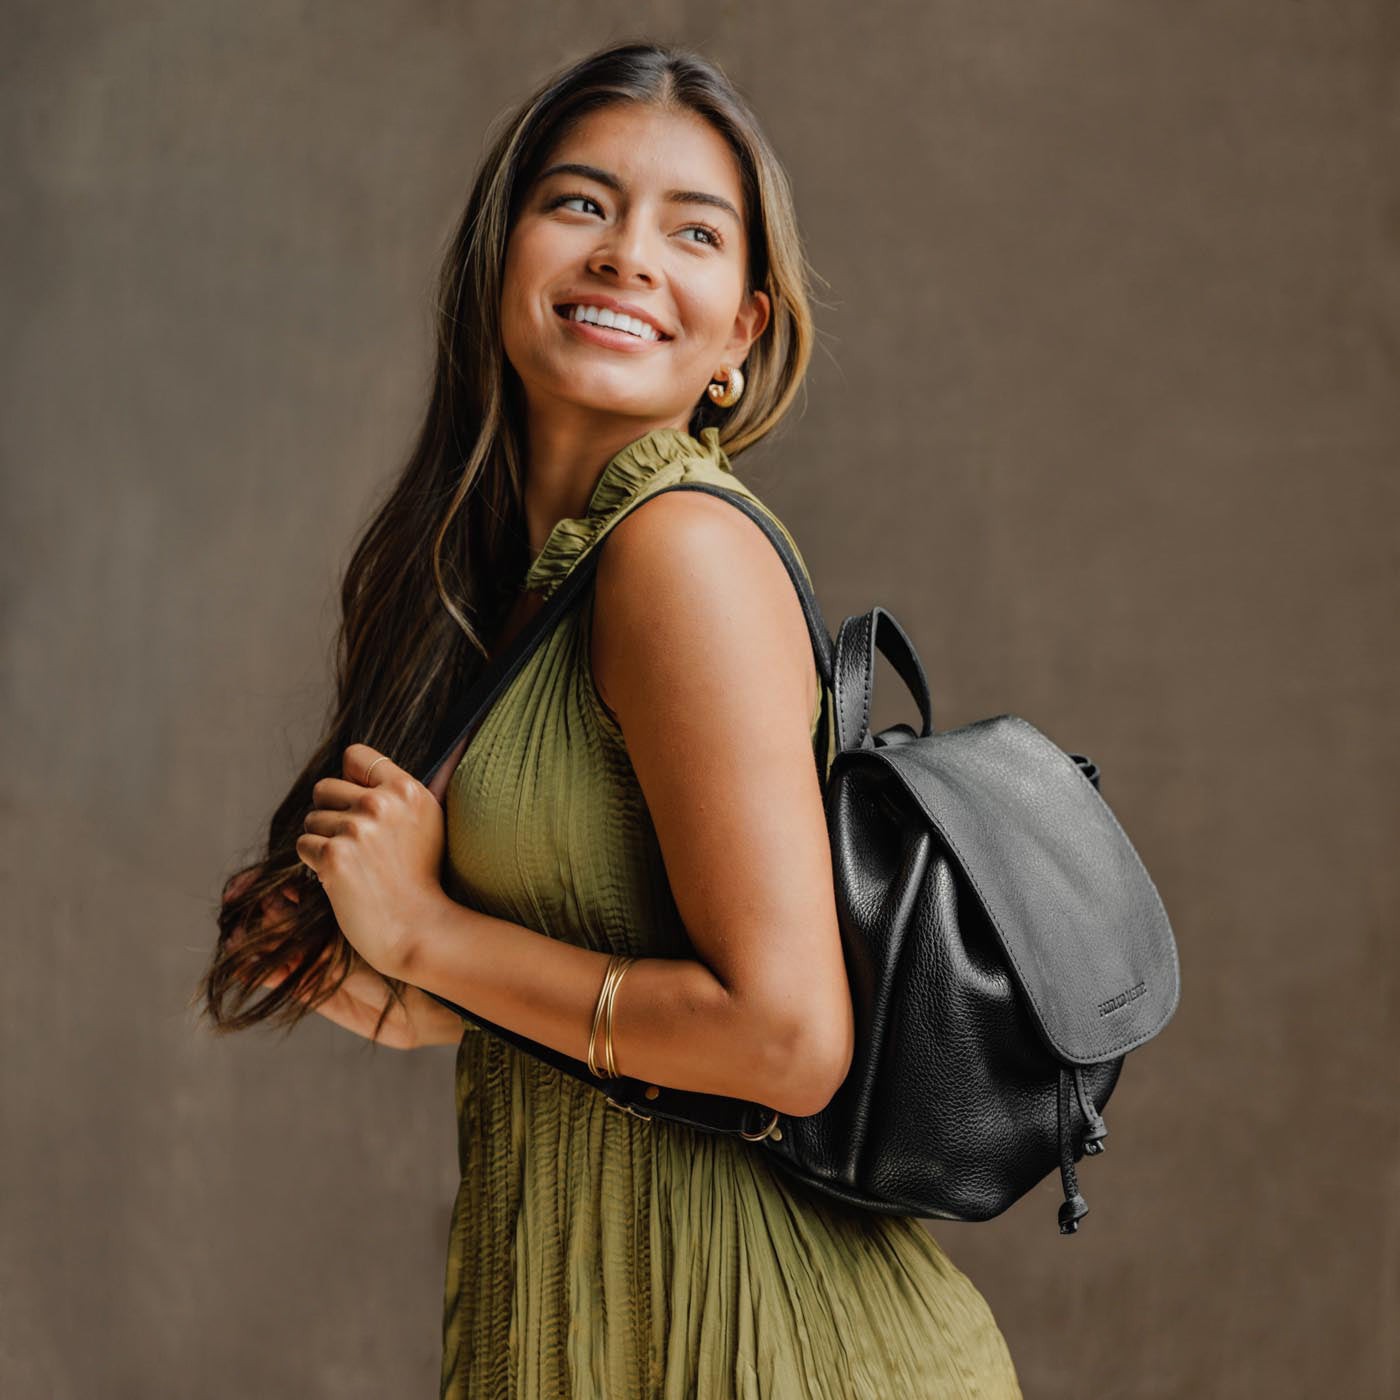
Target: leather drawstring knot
{"x":1074,"y":1207}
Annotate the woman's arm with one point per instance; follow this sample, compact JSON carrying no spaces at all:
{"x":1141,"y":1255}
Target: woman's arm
{"x":355,"y":1005}
{"x":702,"y":648}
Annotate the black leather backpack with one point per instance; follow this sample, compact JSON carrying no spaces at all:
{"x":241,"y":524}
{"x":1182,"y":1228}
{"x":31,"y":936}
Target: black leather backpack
{"x":1005,"y":946}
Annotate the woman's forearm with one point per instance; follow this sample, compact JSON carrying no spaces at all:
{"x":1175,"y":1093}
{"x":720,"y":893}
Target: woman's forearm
{"x":674,"y":1022}
{"x":433,"y":1023}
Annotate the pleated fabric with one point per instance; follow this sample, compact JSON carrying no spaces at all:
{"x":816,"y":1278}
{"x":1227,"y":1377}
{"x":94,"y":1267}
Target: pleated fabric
{"x":597,"y":1256}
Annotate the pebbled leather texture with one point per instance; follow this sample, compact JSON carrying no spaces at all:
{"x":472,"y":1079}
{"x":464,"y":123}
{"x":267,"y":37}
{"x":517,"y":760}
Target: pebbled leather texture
{"x":1003,"y":941}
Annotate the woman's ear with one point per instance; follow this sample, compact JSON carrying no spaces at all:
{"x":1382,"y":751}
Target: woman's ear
{"x":750,"y":323}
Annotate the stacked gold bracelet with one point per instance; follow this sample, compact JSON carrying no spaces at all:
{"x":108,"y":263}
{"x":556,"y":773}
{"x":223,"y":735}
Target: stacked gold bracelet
{"x":603,"y":1013}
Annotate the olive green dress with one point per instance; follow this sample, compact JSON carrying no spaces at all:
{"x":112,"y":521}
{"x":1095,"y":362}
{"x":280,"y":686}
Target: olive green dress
{"x":595,"y":1255}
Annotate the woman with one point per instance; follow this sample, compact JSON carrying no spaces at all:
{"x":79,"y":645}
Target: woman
{"x":624,"y":307}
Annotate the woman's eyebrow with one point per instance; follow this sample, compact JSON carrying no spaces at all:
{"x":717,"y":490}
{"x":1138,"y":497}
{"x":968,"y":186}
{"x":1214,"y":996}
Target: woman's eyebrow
{"x":606,"y":177}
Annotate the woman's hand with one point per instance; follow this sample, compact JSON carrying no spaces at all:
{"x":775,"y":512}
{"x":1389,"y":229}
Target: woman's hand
{"x":375,"y":841}
{"x":357,"y":1003}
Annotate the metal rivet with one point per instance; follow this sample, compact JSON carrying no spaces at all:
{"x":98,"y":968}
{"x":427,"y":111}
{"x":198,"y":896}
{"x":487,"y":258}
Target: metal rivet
{"x":652,"y":1091}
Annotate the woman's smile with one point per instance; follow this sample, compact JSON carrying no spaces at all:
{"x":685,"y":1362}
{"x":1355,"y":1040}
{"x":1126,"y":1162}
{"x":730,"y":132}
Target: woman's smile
{"x":614,"y":337}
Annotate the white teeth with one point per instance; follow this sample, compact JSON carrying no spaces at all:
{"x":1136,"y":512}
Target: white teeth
{"x":602,"y":316}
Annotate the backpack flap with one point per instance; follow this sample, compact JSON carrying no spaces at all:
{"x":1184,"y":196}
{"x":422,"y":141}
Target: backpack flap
{"x":1081,"y":922}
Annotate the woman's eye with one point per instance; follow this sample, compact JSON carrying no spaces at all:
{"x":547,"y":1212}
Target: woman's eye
{"x":712,"y":234}
{"x":713,"y":237}
{"x":567,"y":198}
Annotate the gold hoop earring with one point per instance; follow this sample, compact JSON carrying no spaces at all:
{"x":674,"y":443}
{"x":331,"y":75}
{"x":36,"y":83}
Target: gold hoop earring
{"x":726,"y":395}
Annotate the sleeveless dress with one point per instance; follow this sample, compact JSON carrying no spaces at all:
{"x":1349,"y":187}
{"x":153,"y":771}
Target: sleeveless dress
{"x":595,"y":1255}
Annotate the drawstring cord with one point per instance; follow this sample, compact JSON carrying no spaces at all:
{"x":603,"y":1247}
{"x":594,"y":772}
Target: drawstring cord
{"x":1074,"y":1207}
{"x":1097,"y":1129}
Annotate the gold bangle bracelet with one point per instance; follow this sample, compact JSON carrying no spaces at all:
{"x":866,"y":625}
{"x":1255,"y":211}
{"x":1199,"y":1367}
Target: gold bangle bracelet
{"x":597,"y":1020}
{"x":608,"y":1032}
{"x":617,"y":964}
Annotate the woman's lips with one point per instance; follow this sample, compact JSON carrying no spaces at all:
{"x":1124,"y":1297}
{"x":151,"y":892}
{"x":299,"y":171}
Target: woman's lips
{"x":607,"y":335}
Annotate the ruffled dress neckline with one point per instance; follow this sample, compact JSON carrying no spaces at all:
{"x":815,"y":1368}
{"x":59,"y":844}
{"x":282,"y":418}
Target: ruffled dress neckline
{"x":623,"y":479}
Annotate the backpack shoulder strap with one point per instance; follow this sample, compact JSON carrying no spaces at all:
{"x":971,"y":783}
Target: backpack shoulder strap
{"x":466,"y":714}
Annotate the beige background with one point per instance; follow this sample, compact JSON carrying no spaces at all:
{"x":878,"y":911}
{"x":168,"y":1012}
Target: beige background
{"x":1105,"y":411}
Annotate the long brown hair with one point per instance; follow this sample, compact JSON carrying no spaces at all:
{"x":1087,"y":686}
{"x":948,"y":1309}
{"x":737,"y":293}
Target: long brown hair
{"x":440,"y":562}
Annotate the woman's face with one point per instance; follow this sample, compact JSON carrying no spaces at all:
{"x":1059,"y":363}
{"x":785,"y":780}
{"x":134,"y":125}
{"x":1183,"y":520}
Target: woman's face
{"x":656,"y":222}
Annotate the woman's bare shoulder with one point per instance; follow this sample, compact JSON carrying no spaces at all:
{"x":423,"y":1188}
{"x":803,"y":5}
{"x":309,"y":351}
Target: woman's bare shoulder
{"x":690,"y":594}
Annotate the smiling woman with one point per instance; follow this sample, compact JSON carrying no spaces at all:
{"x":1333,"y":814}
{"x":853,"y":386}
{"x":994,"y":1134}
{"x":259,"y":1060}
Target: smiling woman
{"x":644,"y":797}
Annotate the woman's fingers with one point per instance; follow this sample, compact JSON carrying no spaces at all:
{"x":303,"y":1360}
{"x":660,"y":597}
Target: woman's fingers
{"x":275,"y":977}
{"x":286,"y":891}
{"x":355,"y":1004}
{"x":337,"y":794}
{"x":239,"y":883}
{"x":275,"y":909}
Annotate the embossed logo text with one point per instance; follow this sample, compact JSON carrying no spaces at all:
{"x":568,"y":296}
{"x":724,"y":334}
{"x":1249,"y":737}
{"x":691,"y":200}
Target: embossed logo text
{"x":1122,"y":999}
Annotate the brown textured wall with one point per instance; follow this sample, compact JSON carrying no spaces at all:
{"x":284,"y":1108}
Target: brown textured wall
{"x":1106,"y":411}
